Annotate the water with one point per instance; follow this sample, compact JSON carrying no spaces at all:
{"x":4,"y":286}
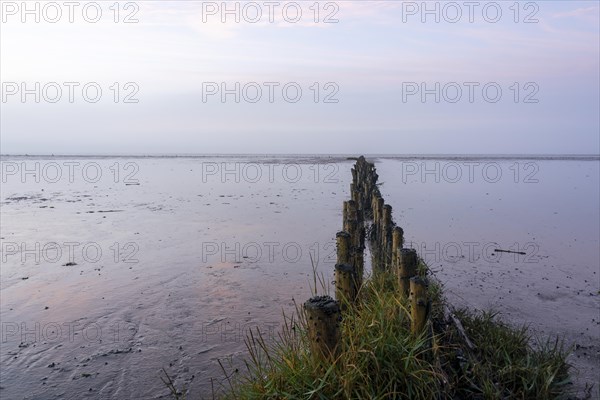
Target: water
{"x":176,"y":258}
{"x":458,"y":212}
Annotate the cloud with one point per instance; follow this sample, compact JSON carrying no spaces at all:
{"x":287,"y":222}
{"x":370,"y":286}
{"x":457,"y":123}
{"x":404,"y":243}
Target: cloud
{"x":587,"y":13}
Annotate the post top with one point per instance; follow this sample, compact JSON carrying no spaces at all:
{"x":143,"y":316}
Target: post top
{"x":419,"y":280}
{"x":343,"y":234}
{"x":324,"y":303}
{"x":408,"y":252}
{"x":344,"y":268}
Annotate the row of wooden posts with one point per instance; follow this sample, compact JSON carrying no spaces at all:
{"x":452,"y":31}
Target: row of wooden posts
{"x":365,"y":216}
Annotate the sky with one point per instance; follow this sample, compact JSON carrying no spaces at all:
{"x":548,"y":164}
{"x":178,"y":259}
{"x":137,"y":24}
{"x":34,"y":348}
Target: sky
{"x":327,"y":77}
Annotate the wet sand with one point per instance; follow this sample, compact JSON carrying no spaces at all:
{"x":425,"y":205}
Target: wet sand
{"x":196,"y":251}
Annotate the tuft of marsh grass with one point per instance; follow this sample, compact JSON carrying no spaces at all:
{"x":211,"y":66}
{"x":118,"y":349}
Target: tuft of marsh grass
{"x":380,"y":359}
{"x":508,"y":362}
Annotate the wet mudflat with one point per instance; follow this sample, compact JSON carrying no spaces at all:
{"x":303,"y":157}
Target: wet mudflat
{"x":168,"y":262}
{"x":516,"y":235}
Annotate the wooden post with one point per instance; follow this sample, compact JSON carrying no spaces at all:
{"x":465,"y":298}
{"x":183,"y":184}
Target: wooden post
{"x":344,"y":213}
{"x":352,"y":209}
{"x":361,"y":233}
{"x":323,"y":319}
{"x":386,"y":228}
{"x":407,"y":270}
{"x":387,"y":216}
{"x":354,"y":195}
{"x":374,"y":204}
{"x":352,"y":228}
{"x":380,"y":204}
{"x":359,"y":266}
{"x":353,"y":191}
{"x":360,"y":212}
{"x":397,"y":242}
{"x":419,"y":304}
{"x":377,"y":216}
{"x":344,"y":246}
{"x":351,"y":225}
{"x":345,"y":283}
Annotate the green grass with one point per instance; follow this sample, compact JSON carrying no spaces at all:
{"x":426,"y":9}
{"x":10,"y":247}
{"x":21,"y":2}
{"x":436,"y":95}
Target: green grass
{"x":380,"y":359}
{"x":508,"y":366}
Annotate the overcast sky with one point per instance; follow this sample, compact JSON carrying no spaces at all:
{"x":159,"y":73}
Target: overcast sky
{"x":374,"y":76}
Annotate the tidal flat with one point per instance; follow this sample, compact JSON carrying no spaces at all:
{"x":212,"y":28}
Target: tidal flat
{"x":114,"y":268}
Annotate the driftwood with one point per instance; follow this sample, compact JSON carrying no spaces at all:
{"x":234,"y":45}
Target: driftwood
{"x":451,"y":317}
{"x":510,"y":251}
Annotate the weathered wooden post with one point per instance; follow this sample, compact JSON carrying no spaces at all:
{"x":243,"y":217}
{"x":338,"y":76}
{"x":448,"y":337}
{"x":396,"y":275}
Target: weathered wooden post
{"x":380,"y":204}
{"x":407,"y":270}
{"x":323,"y":319}
{"x":397,"y":242}
{"x":377,"y":215}
{"x":344,"y":247}
{"x":357,"y":179}
{"x":354,"y":228}
{"x":373,"y":212}
{"x":374,"y":204}
{"x":386,"y":228}
{"x":354,"y":192}
{"x":360,"y":228}
{"x":346,"y":287}
{"x":419,"y":304}
{"x":352,"y":211}
{"x":361,"y":231}
{"x":344,"y":213}
{"x":359,"y":266}
{"x":351,"y":225}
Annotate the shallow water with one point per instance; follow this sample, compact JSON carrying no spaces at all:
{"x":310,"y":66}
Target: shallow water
{"x":177,"y":258}
{"x":458,"y":212}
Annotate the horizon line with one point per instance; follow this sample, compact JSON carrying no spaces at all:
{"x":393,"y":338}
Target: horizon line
{"x":320,"y":155}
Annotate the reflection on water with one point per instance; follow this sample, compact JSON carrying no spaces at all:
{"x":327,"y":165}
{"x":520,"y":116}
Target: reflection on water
{"x":114,"y":268}
{"x":544,"y":216}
